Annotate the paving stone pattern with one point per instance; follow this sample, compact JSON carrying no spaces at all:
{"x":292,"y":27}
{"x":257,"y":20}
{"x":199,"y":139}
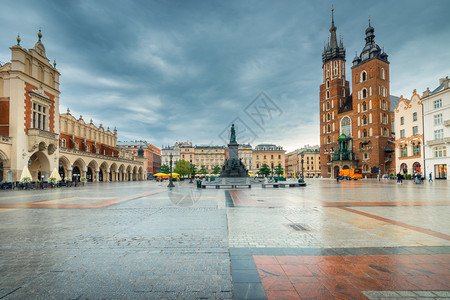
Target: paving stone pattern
{"x":140,"y":240}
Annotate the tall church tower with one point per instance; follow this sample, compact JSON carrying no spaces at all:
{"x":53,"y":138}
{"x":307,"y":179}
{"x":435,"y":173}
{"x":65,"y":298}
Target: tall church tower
{"x":333,"y":92}
{"x":371,"y":118}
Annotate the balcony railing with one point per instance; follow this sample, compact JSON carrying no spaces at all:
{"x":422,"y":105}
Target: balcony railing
{"x":42,"y":133}
{"x":439,"y":141}
{"x":95,"y":155}
{"x":5,"y":139}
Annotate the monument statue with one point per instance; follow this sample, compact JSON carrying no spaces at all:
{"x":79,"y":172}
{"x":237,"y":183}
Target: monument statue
{"x":233,"y":166}
{"x":233,"y":135}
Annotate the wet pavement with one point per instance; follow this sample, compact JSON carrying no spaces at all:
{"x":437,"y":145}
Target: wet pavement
{"x":353,"y":240}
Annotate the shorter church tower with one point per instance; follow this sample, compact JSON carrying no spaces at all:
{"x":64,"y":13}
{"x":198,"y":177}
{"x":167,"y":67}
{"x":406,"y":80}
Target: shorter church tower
{"x":372,"y":126}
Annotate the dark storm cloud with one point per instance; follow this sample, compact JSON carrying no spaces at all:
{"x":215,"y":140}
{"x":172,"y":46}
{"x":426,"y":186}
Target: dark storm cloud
{"x":182,"y":70}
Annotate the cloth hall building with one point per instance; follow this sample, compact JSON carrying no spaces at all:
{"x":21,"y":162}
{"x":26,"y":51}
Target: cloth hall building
{"x":356,"y":124}
{"x":33,"y":134}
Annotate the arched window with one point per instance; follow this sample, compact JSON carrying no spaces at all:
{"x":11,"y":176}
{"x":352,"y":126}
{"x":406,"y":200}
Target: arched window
{"x":328,"y":84}
{"x":364,"y":133}
{"x":363,"y":76}
{"x":364,"y":93}
{"x":329,"y":128}
{"x":328,"y":117}
{"x":404,"y":168}
{"x":366,"y":168}
{"x":364,"y":120}
{"x":346,"y":126}
{"x":364,"y":106}
{"x":328,"y":140}
{"x":328,"y":94}
{"x":382,"y":74}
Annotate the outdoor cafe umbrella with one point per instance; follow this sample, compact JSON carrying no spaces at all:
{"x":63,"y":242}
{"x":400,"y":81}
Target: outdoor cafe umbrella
{"x":25,"y":173}
{"x":55,"y":175}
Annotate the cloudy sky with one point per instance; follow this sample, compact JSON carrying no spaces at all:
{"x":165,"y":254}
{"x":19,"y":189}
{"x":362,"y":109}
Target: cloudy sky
{"x":167,"y":71}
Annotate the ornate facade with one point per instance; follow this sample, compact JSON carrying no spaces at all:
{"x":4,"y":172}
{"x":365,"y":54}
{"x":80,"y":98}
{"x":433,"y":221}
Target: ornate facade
{"x":409,"y":135}
{"x":268,"y":154}
{"x":436,"y":115}
{"x":33,"y":134}
{"x":355,"y":129}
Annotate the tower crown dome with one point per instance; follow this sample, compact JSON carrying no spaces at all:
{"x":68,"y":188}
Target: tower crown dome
{"x":371,"y":49}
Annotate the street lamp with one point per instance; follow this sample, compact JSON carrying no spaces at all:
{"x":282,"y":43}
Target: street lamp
{"x":272,"y":170}
{"x":170,"y":177}
{"x":303,"y":155}
{"x":192,"y":172}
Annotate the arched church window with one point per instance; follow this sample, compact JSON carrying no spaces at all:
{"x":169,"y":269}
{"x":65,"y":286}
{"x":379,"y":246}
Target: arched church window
{"x":364,"y":106}
{"x":328,"y":94}
{"x":346,"y":125}
{"x":364,"y":93}
{"x":364,"y":120}
{"x":328,"y":105}
{"x":364,"y":133}
{"x":328,"y":117}
{"x":328,"y":84}
{"x":328,"y":127}
{"x":363,"y":76}
{"x":382,"y":74}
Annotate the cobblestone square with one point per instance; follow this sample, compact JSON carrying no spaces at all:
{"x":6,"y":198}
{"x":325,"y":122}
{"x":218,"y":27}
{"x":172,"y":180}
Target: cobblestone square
{"x":141,"y":240}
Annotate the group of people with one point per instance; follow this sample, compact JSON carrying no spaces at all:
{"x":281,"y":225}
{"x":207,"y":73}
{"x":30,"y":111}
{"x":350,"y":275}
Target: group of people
{"x":418,"y":177}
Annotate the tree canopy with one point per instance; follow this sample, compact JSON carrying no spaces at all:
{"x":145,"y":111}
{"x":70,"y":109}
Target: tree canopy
{"x":202,"y":170}
{"x":279,"y":170}
{"x":183,"y":167}
{"x":164,"y":169}
{"x":264,"y":170}
{"x":216,"y":170}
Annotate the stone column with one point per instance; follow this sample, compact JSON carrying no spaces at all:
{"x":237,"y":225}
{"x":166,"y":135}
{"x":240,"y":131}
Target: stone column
{"x":116,"y":175}
{"x":108,"y":171}
{"x":69,"y":173}
{"x":96,"y":178}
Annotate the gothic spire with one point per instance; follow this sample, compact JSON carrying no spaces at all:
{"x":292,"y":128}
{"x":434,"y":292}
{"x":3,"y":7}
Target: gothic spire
{"x":333,"y":40}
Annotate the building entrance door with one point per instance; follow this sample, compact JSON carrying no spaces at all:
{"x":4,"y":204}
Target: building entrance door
{"x":440,"y":171}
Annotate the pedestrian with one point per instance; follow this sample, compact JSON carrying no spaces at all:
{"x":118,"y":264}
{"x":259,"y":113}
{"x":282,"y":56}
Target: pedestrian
{"x":398,"y":177}
{"x":337,"y":179}
{"x":431,"y":177}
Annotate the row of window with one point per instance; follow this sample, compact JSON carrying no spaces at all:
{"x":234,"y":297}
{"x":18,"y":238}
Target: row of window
{"x":415,"y":131}
{"x":402,"y":119}
{"x":415,"y":150}
{"x":265,"y":156}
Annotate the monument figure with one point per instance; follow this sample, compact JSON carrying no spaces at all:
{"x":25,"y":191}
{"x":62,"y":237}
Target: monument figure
{"x":233,"y":166}
{"x":233,"y":135}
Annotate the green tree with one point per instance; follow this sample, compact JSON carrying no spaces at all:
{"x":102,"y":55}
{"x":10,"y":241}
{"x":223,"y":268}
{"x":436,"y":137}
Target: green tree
{"x":264,"y":170}
{"x":164,"y":169}
{"x":202,"y":170}
{"x":279,"y":170}
{"x":193,"y":170}
{"x":216,"y":170}
{"x":183,"y":167}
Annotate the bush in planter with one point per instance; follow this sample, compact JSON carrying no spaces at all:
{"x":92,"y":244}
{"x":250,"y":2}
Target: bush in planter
{"x":408,"y":176}
{"x":83,"y":179}
{"x":25,"y":180}
{"x":67,"y":178}
{"x":53,"y":180}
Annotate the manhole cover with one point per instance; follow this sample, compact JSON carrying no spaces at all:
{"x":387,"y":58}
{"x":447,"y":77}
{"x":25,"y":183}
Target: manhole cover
{"x":298,"y":227}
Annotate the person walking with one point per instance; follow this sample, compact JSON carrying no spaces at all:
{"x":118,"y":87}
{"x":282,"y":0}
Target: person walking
{"x":430,"y":179}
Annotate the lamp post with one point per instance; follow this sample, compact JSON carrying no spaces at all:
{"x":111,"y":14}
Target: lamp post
{"x":303,"y":178}
{"x":192,"y":172}
{"x":272,"y":170}
{"x":170,"y":177}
